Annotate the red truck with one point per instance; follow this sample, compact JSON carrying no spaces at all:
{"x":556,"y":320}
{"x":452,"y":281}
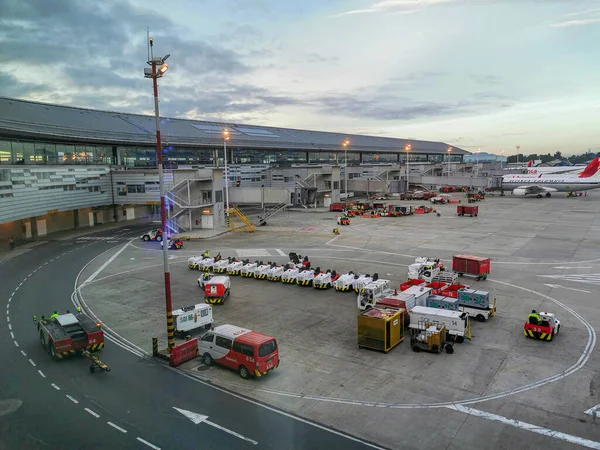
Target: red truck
{"x":72,"y":334}
{"x":476,"y":266}
{"x":462,"y":210}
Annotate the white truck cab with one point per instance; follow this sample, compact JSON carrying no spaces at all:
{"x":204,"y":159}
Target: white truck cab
{"x":192,"y":318}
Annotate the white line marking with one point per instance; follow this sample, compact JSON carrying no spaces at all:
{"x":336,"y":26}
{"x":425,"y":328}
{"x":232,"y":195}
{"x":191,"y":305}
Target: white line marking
{"x":528,"y":427}
{"x":122,"y":430}
{"x":24,"y":354}
{"x":16,"y":289}
{"x":72,"y":399}
{"x":41,"y":373}
{"x":16,"y":343}
{"x":226,"y":430}
{"x":148,"y":443}
{"x":564,"y":287}
{"x":12,"y":335}
{"x":9,"y":326}
{"x":566,"y":267}
{"x":103,"y":266}
{"x":31,"y":362}
{"x":280,"y":252}
{"x":8,"y":318}
{"x":92,"y":412}
{"x":595,"y":411}
{"x":55,"y":386}
{"x":201,"y":418}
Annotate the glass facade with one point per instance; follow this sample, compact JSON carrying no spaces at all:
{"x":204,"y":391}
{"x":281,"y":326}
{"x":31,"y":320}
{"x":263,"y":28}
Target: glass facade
{"x":30,"y":152}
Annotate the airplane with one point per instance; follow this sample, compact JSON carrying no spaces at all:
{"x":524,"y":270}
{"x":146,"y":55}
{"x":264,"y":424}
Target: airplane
{"x":577,"y":168}
{"x":547,"y":183}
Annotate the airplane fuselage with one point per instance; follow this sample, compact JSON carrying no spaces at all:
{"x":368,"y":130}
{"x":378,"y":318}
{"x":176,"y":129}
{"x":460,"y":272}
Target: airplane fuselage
{"x":565,"y":183}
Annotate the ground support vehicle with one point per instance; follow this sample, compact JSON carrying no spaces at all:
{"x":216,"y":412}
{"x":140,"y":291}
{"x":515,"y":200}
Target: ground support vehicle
{"x":452,"y":290}
{"x":306,"y":277}
{"x":248,"y":352}
{"x":415,"y":296}
{"x":476,"y":303}
{"x":397,"y":210}
{"x":70,"y":334}
{"x":249,"y":269}
{"x":438,"y":200}
{"x":217,"y":290}
{"x":275,"y":273}
{"x":380,"y":328}
{"x":360,"y":281}
{"x":463,"y":210}
{"x":221,"y":265}
{"x":544,"y":330}
{"x":344,"y":282}
{"x":325,"y":280}
{"x":205,"y":278}
{"x":290,"y":275}
{"x":206,"y":264}
{"x":194,"y":261}
{"x":377,"y":289}
{"x":344,"y":221}
{"x":457,"y":323}
{"x":446,"y":276}
{"x":410,"y":283}
{"x":261,"y":271}
{"x":152,"y":235}
{"x":476,"y":266}
{"x":235,"y":267}
{"x":426,"y":271}
{"x":191,"y":318}
{"x":298,"y":261}
{"x":96,"y":363}
{"x":173,"y":244}
{"x":429,"y":336}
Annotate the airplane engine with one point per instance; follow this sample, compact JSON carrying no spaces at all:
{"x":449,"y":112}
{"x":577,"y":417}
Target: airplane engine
{"x":520,"y":191}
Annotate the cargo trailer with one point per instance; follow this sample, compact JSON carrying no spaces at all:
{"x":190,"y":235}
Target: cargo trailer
{"x":476,"y":266}
{"x":457,"y":322}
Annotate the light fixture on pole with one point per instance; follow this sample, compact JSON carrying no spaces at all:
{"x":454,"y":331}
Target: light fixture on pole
{"x":407,"y":149}
{"x":477,"y":162}
{"x":157,"y":70}
{"x":225,"y":139}
{"x":345,"y":144}
{"x":501,"y":157}
{"x":448,"y":150}
{"x":518,"y":148}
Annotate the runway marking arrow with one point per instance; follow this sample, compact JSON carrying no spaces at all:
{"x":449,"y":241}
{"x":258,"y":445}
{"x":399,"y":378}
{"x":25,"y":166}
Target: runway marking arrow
{"x":201,"y":418}
{"x":564,"y":287}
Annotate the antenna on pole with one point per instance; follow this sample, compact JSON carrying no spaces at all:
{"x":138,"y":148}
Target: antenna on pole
{"x":150,"y":44}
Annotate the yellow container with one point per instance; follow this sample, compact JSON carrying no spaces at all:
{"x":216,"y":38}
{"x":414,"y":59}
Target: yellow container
{"x":380,"y":328}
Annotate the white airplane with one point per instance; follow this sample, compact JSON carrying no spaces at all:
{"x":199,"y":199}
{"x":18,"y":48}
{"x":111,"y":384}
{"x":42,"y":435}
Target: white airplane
{"x":546,"y":183}
{"x":577,"y":168}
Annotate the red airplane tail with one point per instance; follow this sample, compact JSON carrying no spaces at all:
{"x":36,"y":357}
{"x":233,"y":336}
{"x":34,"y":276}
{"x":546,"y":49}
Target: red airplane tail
{"x":530,"y":163}
{"x":591,"y":169}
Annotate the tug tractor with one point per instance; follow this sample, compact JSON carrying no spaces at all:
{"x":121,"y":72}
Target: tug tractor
{"x":290,"y":275}
{"x":345,"y":220}
{"x":235,"y":267}
{"x":298,"y":261}
{"x":206,"y":263}
{"x":72,"y":334}
{"x":194,"y":261}
{"x":343,"y":283}
{"x":173,"y":244}
{"x":545,"y":330}
{"x":275,"y":272}
{"x":152,"y":235}
{"x":325,"y":280}
{"x":248,"y":269}
{"x":261,"y":271}
{"x":306,"y":277}
{"x":205,"y":278}
{"x":221,"y":266}
{"x":360,"y":281}
{"x":217,"y":289}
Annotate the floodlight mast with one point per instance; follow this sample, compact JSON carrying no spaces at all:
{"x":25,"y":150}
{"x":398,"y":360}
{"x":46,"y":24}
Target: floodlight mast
{"x":155,"y":73}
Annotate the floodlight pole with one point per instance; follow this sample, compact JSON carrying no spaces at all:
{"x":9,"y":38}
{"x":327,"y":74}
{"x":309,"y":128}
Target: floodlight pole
{"x":163,"y":210}
{"x":226,"y":177}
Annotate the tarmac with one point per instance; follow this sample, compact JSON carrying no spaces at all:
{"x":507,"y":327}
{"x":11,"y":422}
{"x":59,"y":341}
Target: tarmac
{"x":499,"y":388}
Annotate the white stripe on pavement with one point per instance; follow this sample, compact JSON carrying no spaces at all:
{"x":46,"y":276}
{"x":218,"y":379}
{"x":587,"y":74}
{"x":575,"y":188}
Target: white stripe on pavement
{"x":122,"y":430}
{"x":527,"y":426}
{"x":96,"y":415}
{"x":148,"y":443}
{"x":280,"y":252}
{"x":103,"y":266}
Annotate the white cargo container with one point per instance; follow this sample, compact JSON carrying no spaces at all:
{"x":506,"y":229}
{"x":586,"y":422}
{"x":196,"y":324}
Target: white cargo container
{"x":457,"y":322}
{"x":192,"y":318}
{"x":420,"y":292}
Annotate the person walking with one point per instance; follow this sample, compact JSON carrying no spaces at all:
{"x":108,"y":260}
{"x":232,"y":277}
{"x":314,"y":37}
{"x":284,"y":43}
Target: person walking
{"x":11,"y":243}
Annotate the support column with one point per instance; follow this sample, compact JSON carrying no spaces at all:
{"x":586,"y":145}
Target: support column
{"x":75,"y":219}
{"x":34,"y":230}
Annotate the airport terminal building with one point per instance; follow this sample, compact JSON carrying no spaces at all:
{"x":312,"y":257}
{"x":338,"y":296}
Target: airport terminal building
{"x":63,"y":167}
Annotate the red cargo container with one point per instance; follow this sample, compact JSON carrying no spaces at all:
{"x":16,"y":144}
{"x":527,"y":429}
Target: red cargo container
{"x":452,"y":290}
{"x":437,"y":287}
{"x":410,"y":283}
{"x":476,"y":266}
{"x":462,"y":210}
{"x":337,"y":207}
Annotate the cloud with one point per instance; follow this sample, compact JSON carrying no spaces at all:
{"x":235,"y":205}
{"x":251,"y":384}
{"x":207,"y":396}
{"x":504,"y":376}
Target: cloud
{"x":572,"y":23}
{"x":583,"y":13}
{"x":394,"y":7}
{"x":486,"y":79}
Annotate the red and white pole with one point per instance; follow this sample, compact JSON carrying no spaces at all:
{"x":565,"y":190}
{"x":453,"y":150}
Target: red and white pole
{"x":163,"y":215}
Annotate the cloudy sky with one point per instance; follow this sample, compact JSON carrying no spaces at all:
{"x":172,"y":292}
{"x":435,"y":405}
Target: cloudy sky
{"x":487,"y":74}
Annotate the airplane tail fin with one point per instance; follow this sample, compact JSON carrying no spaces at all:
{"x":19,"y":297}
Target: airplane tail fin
{"x":530,"y":163}
{"x":591,"y":169}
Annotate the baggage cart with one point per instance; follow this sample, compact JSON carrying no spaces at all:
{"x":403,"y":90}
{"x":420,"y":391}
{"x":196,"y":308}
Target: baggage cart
{"x":380,"y":329}
{"x":476,"y":266}
{"x":462,"y":210}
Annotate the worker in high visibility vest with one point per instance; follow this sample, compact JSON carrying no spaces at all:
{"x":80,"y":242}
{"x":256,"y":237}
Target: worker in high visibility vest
{"x":534,"y":317}
{"x":54,"y":315}
{"x":205,"y":254}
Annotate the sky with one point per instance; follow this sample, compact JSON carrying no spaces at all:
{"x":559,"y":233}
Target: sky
{"x":477,"y":74}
